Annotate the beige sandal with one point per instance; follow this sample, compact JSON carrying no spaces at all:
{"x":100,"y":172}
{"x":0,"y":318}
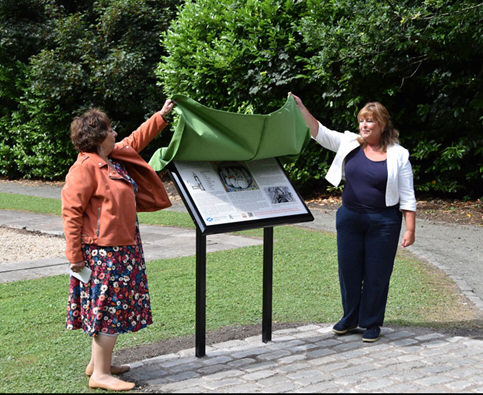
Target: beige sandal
{"x":119,"y":386}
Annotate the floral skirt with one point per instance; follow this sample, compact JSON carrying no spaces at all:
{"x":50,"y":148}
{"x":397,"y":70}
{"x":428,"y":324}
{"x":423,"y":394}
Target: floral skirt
{"x":116,"y":299}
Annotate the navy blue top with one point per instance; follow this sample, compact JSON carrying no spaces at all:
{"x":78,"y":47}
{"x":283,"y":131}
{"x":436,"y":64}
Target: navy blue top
{"x":365,"y":183}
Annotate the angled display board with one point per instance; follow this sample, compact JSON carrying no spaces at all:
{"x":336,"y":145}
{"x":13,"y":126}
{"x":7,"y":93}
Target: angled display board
{"x":229,"y":196}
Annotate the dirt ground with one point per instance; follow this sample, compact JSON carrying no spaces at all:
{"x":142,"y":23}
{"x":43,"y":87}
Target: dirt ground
{"x":435,"y":209}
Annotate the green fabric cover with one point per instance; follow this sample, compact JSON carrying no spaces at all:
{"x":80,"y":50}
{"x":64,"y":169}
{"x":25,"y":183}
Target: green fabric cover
{"x":206,"y":134}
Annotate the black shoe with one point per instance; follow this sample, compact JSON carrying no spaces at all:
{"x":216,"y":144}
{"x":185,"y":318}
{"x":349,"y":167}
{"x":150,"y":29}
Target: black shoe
{"x":340,"y":329}
{"x":371,"y":334}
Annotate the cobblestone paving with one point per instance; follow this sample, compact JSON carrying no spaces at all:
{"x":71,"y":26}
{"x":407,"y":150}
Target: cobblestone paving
{"x":312,"y":359}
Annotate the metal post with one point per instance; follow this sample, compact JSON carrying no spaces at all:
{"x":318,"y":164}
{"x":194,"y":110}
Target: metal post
{"x":267,"y":284}
{"x":200,"y":343}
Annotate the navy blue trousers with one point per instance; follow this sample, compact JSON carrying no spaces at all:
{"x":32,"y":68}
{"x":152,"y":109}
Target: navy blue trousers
{"x":366,"y":249}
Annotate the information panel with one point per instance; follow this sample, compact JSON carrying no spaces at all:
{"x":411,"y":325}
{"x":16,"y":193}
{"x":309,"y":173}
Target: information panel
{"x":251,"y":194}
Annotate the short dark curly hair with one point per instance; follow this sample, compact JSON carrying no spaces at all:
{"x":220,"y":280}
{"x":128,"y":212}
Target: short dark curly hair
{"x":88,"y":131}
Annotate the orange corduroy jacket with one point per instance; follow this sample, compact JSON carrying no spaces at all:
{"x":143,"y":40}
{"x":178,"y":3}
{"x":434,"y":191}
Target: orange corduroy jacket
{"x":98,"y":205}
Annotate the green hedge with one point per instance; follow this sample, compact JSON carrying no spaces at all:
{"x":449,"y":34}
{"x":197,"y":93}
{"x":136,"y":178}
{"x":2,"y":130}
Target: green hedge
{"x":60,"y":58}
{"x":422,"y":60}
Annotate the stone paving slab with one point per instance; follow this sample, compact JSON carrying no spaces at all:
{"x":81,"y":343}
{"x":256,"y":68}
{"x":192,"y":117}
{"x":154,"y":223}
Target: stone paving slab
{"x":312,"y":359}
{"x":159,"y":242}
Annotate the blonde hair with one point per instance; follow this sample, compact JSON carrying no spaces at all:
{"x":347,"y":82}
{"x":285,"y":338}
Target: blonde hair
{"x":379,"y":113}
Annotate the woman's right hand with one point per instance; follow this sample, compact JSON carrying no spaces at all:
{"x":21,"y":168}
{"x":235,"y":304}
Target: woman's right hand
{"x":310,"y":120}
{"x":76,"y":267}
{"x":298,"y":101}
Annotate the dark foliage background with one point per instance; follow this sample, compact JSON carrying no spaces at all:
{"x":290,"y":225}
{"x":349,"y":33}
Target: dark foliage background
{"x":422,"y":60}
{"x":59,"y":58}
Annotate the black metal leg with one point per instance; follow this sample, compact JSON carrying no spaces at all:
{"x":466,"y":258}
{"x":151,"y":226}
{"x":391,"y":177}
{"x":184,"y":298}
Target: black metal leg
{"x":267,"y":284}
{"x":200,"y":294}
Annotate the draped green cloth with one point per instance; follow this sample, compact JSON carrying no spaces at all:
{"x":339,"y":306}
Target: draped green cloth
{"x":206,"y":134}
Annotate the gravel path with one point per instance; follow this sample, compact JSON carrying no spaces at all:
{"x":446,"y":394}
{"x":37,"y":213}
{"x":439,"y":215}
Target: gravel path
{"x":34,"y":246}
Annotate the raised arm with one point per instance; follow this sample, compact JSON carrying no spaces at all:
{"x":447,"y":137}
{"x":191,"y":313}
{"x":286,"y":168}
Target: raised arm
{"x":308,"y":117}
{"x":149,"y":129}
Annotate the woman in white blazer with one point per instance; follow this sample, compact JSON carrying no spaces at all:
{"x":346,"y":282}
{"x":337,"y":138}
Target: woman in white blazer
{"x":378,"y":191}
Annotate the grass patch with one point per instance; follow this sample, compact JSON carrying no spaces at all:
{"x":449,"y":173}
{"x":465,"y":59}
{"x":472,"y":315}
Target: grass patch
{"x":11,"y":201}
{"x":39,"y":355}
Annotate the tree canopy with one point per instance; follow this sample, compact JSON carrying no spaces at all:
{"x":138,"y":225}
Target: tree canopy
{"x":422,"y":60}
{"x":74,"y":55}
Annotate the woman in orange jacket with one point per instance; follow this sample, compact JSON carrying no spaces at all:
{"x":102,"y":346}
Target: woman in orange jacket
{"x":104,"y":189}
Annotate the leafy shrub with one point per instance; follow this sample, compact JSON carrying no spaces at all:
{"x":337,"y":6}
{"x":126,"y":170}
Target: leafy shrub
{"x":420,"y":59}
{"x":90,"y":54}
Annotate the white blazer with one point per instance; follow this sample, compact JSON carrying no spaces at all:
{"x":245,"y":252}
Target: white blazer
{"x":399,"y":188}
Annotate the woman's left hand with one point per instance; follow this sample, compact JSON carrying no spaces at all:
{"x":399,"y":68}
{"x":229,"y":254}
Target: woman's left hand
{"x":408,"y":239}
